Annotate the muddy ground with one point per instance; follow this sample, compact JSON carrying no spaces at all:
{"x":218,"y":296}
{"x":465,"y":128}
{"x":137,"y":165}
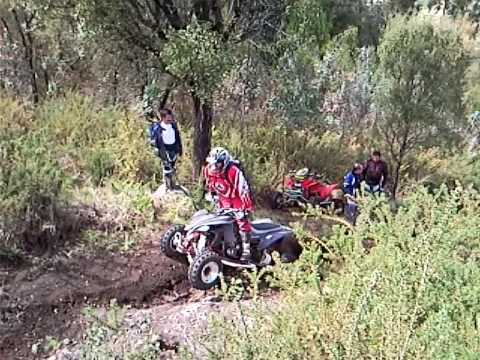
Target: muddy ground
{"x":46,"y":300}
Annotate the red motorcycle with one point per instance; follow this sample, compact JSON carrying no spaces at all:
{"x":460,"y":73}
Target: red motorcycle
{"x":302,"y":187}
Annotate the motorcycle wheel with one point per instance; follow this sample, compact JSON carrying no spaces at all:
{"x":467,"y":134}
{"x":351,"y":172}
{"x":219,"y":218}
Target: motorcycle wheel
{"x":277,"y":201}
{"x":166,"y":244}
{"x":205,"y":270}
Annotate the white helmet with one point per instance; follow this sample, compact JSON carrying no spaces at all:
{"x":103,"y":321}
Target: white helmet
{"x":219,"y":155}
{"x":302,"y":173}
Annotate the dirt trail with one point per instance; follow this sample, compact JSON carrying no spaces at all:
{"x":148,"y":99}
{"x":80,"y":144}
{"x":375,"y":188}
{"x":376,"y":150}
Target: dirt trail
{"x":37,"y":301}
{"x":47,"y":300}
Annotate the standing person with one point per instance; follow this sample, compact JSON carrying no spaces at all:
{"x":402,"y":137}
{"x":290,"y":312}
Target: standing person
{"x":225,"y":178}
{"x":166,"y":139}
{"x":375,"y":172}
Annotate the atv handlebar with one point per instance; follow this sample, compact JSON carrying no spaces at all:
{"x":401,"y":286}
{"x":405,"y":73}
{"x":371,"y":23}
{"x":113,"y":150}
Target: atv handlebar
{"x":233,"y":212}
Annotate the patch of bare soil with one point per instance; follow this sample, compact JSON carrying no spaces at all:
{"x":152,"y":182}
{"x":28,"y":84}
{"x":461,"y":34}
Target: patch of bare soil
{"x":47,"y":299}
{"x":40,"y":301}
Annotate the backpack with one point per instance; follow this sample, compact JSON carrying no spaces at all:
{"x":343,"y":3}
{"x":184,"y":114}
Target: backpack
{"x":155,"y":130}
{"x":238,"y":164}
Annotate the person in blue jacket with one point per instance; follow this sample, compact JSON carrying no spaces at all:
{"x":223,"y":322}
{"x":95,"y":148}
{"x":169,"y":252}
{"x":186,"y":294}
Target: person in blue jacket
{"x":351,"y":181}
{"x":351,"y":186}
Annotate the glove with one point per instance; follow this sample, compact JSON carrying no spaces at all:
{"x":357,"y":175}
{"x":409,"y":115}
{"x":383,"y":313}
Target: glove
{"x":208,"y":197}
{"x":211,"y":197}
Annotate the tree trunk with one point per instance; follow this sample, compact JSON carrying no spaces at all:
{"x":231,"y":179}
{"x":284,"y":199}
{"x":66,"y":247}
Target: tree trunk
{"x":166,"y":94}
{"x":29,"y":53}
{"x":202,"y":141}
{"x":46,"y":78}
{"x":115,"y":86}
{"x":396,"y":180}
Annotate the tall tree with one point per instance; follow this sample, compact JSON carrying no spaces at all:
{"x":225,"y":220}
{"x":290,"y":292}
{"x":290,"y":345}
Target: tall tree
{"x":153,"y":25}
{"x":420,"y":79}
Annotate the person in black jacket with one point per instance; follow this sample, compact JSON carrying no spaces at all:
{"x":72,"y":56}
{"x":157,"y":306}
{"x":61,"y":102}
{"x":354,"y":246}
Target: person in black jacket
{"x":165,"y":137}
{"x":375,"y":172}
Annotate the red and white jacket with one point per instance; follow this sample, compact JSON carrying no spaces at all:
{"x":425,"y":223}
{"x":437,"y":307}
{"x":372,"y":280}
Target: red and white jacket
{"x":230,"y":186}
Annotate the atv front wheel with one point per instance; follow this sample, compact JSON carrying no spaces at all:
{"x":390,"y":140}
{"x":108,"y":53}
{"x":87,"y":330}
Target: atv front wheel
{"x":167,"y":245}
{"x":205,"y":270}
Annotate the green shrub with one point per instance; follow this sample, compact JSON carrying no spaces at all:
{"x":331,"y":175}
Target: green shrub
{"x":76,"y":122}
{"x":135,"y":159}
{"x":31,"y":184}
{"x":100,"y":165}
{"x":436,"y":167}
{"x":414,"y":295}
{"x":96,"y":142}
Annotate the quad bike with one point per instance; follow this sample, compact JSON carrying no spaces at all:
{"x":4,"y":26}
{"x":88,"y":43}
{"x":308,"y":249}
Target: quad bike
{"x":301,"y":188}
{"x":211,"y":241}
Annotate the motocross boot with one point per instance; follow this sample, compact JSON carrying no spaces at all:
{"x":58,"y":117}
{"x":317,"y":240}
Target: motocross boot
{"x":246,"y":254}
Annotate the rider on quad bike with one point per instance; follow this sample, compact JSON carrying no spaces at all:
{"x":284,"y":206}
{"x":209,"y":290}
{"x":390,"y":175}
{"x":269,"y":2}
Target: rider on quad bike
{"x":225,"y":179}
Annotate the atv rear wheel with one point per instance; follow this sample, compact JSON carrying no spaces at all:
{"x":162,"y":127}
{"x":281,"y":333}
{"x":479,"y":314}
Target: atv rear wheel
{"x":277,"y":202}
{"x":205,"y":270}
{"x":338,"y":206}
{"x":167,"y":245}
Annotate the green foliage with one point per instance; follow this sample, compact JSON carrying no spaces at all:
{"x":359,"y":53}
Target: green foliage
{"x":124,"y":215}
{"x":100,"y":165}
{"x":75,"y":131}
{"x":31,"y":184}
{"x":412,"y":296}
{"x":63,"y":143}
{"x":135,"y":196}
{"x":297,"y":98}
{"x":297,"y":95}
{"x":420,"y":78}
{"x":152,"y":92}
{"x":135,"y":159}
{"x":99,"y":142}
{"x":420,"y":75}
{"x":345,"y":48}
{"x":308,"y":21}
{"x":199,"y":57}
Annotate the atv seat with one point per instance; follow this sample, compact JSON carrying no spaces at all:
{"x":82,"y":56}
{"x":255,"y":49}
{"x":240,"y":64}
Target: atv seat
{"x":262,"y":226}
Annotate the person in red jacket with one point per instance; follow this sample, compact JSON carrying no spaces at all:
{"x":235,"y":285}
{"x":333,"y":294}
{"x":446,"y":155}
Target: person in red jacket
{"x":226,"y":180}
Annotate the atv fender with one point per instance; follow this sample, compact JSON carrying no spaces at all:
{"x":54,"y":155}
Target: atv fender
{"x":273,"y":239}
